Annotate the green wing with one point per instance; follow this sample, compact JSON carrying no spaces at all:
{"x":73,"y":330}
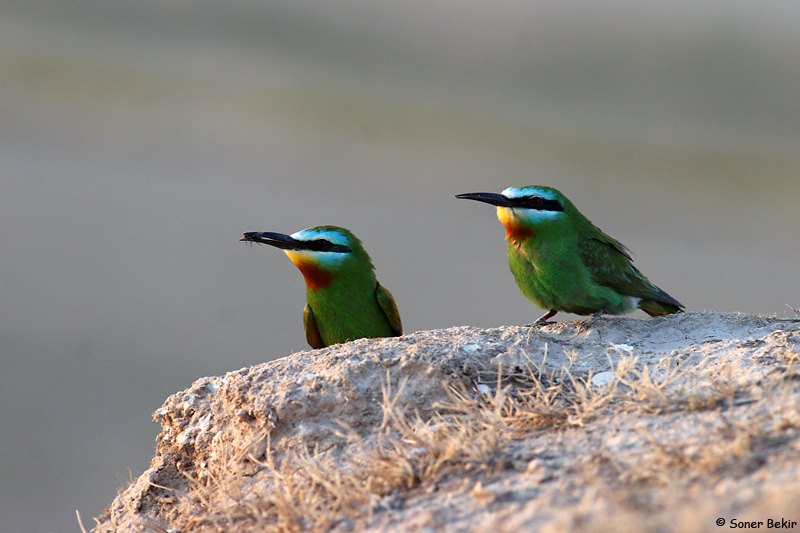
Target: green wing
{"x":610,"y":265}
{"x":386,"y":301}
{"x":313,"y":337}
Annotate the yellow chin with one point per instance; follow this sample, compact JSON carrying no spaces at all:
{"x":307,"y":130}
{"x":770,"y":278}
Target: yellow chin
{"x":506,"y":216}
{"x":294,"y":256}
{"x":515,"y":230}
{"x":316,"y":278}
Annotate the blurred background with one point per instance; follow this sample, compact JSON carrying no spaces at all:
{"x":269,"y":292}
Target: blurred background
{"x":140,"y":138}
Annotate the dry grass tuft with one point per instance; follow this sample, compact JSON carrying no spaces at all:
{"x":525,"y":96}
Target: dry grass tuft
{"x":313,"y":490}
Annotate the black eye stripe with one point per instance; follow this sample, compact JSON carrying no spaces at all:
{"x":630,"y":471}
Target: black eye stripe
{"x":543,"y":205}
{"x":324,"y":245}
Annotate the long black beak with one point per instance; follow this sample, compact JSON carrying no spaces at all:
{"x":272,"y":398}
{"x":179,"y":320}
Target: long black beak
{"x":278,"y":240}
{"x":488,"y":198}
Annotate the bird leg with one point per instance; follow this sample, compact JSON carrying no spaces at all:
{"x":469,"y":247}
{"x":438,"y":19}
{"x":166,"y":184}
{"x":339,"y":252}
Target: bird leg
{"x":542,"y":320}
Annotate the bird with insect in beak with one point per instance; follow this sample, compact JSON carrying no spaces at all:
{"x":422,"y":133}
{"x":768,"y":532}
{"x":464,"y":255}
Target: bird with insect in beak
{"x":563,"y":262}
{"x":344,"y":299}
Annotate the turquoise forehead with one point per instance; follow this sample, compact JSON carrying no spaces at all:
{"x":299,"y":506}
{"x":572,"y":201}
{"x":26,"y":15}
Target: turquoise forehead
{"x":311,"y":234}
{"x":519,"y":192}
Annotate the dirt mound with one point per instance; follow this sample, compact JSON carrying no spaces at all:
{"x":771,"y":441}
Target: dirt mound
{"x":665,"y":424}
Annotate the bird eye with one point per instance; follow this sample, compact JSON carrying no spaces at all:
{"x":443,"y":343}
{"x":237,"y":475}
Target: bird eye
{"x":323,"y":245}
{"x":536,"y":201}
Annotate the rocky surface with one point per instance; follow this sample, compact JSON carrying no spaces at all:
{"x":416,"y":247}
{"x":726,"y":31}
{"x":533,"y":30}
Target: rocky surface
{"x":664,"y":424}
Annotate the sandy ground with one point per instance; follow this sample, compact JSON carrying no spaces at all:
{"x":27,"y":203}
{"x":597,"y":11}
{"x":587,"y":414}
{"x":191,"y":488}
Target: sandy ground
{"x":667,"y":424}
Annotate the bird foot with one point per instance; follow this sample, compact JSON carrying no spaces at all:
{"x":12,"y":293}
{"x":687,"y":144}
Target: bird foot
{"x":583,"y":325}
{"x":544,"y":319}
{"x":538,"y":323}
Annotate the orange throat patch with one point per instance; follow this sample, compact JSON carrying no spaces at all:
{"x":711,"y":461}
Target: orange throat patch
{"x":515,"y":231}
{"x":316,"y":278}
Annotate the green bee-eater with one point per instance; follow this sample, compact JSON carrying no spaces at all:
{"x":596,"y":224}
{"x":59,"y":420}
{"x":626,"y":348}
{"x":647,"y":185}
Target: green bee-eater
{"x":344,"y":299}
{"x":563,"y":262}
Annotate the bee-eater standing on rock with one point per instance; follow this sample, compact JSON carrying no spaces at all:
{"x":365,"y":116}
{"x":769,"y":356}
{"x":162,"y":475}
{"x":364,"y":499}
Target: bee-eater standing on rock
{"x":344,"y":299}
{"x":563,"y":262}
